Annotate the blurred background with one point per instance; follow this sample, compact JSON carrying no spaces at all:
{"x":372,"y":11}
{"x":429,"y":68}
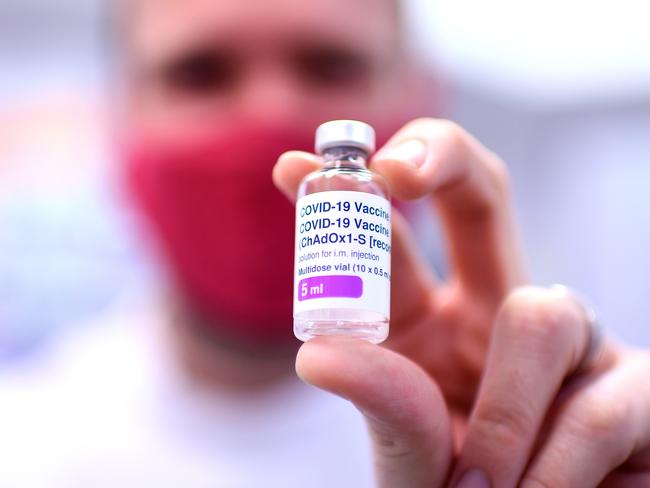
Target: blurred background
{"x":560,"y":89}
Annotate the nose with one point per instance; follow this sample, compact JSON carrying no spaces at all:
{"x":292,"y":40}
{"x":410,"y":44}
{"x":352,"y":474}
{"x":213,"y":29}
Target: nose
{"x":270,"y":92}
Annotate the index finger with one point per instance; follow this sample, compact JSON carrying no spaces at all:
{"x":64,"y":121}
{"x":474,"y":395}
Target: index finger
{"x":470,"y":187}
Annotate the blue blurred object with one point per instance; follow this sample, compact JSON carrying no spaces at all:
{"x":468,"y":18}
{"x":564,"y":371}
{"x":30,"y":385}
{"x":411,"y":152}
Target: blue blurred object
{"x":64,"y":258}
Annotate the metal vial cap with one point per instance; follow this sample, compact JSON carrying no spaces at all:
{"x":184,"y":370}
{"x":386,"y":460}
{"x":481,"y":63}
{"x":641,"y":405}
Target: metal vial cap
{"x":349,"y":133}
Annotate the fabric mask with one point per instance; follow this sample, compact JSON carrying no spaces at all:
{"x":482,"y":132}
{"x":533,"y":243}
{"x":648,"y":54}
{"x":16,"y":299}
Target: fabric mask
{"x":225,"y":230}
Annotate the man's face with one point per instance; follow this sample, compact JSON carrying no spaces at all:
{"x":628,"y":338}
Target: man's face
{"x":197,"y":62}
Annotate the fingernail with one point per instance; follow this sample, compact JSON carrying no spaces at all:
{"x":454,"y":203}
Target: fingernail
{"x":412,"y":151}
{"x":474,"y":478}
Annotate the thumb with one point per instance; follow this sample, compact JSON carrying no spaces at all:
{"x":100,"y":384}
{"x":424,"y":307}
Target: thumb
{"x":405,"y":411}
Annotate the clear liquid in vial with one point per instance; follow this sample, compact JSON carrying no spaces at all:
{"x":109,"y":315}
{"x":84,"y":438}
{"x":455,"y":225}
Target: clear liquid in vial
{"x":344,"y":170}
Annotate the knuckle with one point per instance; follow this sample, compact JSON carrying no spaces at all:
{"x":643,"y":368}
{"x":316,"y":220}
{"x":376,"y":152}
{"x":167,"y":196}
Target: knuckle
{"x":390,"y":447}
{"x":599,"y":419}
{"x":537,"y":314}
{"x":504,"y":425}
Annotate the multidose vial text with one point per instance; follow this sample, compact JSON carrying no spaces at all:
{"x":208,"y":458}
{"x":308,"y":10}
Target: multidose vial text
{"x":343,"y":241}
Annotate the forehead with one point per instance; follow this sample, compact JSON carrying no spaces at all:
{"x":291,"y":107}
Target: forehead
{"x":169,"y":25}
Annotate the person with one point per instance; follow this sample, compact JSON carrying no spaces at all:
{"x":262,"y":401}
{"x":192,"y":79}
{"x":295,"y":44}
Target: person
{"x":483,"y":381}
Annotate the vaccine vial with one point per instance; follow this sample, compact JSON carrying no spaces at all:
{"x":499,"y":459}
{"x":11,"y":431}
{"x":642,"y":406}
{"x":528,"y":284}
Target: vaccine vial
{"x":343,"y":240}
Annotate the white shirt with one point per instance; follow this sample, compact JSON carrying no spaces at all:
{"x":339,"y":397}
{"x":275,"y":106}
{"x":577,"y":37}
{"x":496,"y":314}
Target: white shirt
{"x":107,"y":408}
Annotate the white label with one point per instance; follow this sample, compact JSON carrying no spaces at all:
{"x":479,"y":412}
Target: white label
{"x":342,"y":255}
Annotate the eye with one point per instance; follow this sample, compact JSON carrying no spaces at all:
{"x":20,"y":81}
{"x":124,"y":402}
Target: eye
{"x":335,"y":66}
{"x":201,"y":72}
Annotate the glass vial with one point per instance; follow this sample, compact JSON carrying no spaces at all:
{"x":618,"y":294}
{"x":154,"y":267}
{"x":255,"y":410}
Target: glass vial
{"x":343,"y":240}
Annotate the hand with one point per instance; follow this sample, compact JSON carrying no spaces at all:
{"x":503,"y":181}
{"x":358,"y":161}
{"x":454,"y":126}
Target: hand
{"x":544,"y":417}
{"x":439,"y":331}
{"x":417,"y":397}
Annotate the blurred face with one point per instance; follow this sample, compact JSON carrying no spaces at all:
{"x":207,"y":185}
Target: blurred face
{"x":194,"y":61}
{"x":217,"y":90}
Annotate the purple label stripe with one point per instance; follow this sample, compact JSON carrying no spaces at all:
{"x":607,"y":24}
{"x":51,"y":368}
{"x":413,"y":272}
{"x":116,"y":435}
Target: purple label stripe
{"x":339,"y":286}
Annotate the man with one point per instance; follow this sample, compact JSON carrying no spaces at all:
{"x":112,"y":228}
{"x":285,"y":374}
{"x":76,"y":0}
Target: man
{"x":215,"y":91}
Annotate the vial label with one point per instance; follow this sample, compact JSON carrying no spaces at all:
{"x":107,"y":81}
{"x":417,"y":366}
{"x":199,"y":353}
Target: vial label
{"x":342,"y":255}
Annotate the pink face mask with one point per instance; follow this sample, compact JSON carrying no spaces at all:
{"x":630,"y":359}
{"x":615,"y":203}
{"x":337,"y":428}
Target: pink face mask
{"x":226,"y":231}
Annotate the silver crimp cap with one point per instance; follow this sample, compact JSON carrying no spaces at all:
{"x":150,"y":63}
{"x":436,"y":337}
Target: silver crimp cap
{"x":350,"y":133}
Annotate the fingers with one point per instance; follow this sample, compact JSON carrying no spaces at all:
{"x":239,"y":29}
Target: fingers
{"x":600,"y":427}
{"x":539,"y":337}
{"x":405,"y":411}
{"x":470,"y":187}
{"x":412,"y":280}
